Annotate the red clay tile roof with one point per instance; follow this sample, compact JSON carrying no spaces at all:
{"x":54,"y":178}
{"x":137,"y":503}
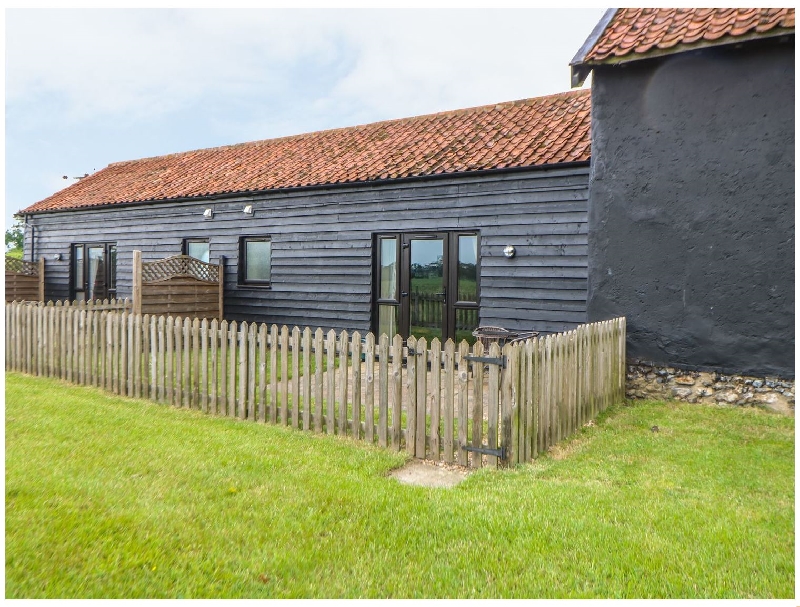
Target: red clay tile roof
{"x":529,"y":132}
{"x":635,"y":32}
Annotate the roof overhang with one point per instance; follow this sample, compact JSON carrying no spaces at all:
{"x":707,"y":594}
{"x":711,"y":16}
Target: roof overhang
{"x":252,"y":194}
{"x":580,"y":70}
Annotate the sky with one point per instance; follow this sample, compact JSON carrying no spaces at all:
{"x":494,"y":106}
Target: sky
{"x":88,"y":87}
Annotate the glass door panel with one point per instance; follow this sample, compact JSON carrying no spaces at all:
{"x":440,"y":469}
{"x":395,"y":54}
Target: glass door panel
{"x":427,"y":290}
{"x":97,"y":273}
{"x":467,"y":268}
{"x":466,"y":323}
{"x":388,"y":269}
{"x":388,"y":317}
{"x":78,"y":279}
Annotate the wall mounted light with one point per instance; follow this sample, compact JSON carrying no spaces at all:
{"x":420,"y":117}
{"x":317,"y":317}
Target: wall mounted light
{"x":57,"y":257}
{"x":510,"y":251}
{"x":248,"y":209}
{"x":208,"y":213}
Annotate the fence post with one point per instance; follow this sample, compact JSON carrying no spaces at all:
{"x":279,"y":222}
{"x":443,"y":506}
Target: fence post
{"x":421,"y":361}
{"x":449,"y":395}
{"x":306,"y":376}
{"x":369,"y":393}
{"x":344,"y":344}
{"x":506,"y":406}
{"x":295,"y":377}
{"x":411,"y":409}
{"x":330,"y":395}
{"x":41,"y":279}
{"x":356,"y":361}
{"x":137,"y":282}
{"x":436,"y":396}
{"x":241,"y":411}
{"x":318,"y":347}
{"x":397,"y":390}
{"x":221,"y":287}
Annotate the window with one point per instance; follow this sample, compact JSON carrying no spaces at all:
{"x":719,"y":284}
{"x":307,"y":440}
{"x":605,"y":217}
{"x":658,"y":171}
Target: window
{"x":255,"y":260}
{"x":196,"y":247}
{"x":94,"y":271}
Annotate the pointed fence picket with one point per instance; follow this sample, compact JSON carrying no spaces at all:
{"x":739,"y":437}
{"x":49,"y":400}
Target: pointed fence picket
{"x":445,"y":402}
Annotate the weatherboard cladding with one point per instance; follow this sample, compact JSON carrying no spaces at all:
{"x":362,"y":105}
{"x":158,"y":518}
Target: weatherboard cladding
{"x":635,"y":33}
{"x":322,"y":244}
{"x":530,"y":132}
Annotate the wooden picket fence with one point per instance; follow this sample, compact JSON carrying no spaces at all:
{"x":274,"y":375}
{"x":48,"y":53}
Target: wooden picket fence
{"x":457,"y":403}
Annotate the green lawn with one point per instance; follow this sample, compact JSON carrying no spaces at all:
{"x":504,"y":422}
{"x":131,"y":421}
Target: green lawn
{"x":112,"y":497}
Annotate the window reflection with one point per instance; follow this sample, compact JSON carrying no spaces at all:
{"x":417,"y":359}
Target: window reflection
{"x":96,"y":272}
{"x":388,"y":269}
{"x":468,"y":268}
{"x":387,"y":320}
{"x":257,"y":260}
{"x":198,"y":250}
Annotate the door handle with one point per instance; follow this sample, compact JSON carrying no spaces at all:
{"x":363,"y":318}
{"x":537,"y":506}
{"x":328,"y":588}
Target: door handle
{"x":403,"y":293}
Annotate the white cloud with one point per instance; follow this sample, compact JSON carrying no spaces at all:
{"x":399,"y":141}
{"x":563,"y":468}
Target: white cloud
{"x":88,"y":87}
{"x":138,"y":63}
{"x":145,"y":61}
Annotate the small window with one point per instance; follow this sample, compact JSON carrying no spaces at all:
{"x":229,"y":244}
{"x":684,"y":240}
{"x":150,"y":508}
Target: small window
{"x":255,"y":260}
{"x":197,"y":248}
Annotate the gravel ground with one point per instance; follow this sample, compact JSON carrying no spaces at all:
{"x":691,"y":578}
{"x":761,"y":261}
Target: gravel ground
{"x":429,"y":474}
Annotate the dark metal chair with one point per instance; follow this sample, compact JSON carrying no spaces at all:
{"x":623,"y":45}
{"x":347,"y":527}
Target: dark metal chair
{"x":488,"y":335}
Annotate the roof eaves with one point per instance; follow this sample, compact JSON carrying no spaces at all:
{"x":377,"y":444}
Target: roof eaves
{"x":693,"y":46}
{"x":222,"y":196}
{"x":579,"y":70}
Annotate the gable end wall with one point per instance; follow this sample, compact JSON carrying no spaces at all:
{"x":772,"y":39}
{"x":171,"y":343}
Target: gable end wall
{"x":691,"y":216}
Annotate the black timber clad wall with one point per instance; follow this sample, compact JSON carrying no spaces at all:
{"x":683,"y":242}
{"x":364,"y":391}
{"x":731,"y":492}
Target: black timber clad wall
{"x":322,"y":244}
{"x":691,"y":215}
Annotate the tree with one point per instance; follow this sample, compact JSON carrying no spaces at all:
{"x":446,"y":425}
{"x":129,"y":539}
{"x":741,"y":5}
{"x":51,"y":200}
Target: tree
{"x":15,"y":237}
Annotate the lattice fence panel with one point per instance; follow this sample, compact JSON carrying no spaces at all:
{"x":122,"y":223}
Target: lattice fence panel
{"x":179,"y":265}
{"x":21,"y":266}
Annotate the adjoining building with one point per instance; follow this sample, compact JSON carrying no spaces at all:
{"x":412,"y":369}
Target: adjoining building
{"x":691,"y":195}
{"x":428,"y":225}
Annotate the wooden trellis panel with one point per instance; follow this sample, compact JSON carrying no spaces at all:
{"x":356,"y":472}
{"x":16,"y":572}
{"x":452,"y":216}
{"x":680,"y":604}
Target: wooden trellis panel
{"x":24,"y":279}
{"x":178,"y":286}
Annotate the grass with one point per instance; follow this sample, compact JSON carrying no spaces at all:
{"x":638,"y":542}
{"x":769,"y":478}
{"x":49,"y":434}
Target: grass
{"x":113,"y":497}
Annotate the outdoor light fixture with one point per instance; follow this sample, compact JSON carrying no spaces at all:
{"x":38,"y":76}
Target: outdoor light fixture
{"x":510,"y":251}
{"x":57,"y":257}
{"x":208,"y":213}
{"x":248,"y":209}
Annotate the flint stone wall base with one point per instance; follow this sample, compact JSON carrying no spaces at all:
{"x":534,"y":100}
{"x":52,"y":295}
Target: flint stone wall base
{"x":645,"y":381}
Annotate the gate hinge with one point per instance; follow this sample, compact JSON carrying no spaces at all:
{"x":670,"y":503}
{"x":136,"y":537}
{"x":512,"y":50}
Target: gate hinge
{"x":501,"y":453}
{"x":501,"y":361}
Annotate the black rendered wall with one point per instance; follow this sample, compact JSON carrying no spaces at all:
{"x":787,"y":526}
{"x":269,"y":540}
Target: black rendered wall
{"x":691,"y":207}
